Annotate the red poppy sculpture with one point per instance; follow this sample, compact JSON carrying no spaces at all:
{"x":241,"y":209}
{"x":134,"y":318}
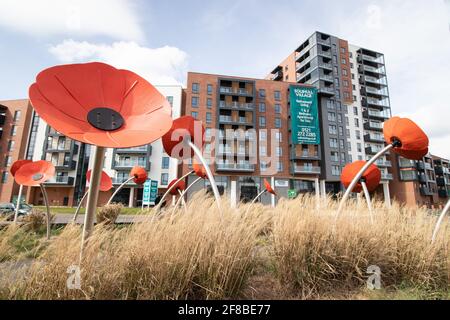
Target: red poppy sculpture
{"x":405,"y":138}
{"x":201,"y":173}
{"x":267,"y":188}
{"x":175,"y":187}
{"x":185,"y":139}
{"x":137,"y":174}
{"x":105,"y":185}
{"x":16,"y":166}
{"x":34,"y":174}
{"x":98,"y":104}
{"x":439,"y":221}
{"x":368,"y":182}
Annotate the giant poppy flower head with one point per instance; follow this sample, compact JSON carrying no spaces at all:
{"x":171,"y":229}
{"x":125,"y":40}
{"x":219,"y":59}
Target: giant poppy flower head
{"x":105,"y":181}
{"x":199,"y":170}
{"x":182,"y":128}
{"x":372,"y":176}
{"x":410,"y":140}
{"x":180,"y":186}
{"x":98,"y":104}
{"x":34,"y":173}
{"x":16,"y":166}
{"x":139,"y":174}
{"x":269,"y":187}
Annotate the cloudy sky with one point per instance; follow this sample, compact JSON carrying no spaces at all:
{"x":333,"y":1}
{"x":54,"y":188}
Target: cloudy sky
{"x":162,"y":40}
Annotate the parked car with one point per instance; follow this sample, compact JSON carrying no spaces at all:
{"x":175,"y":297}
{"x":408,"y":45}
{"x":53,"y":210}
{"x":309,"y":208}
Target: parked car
{"x":7,"y":210}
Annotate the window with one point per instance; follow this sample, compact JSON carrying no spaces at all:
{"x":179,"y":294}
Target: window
{"x":354,"y":98}
{"x":170,"y":99}
{"x":349,"y":146}
{"x":332,"y":129}
{"x":342,"y":157}
{"x":346,"y":95}
{"x":347,"y":121}
{"x":7,"y":161}
{"x":358,"y":134}
{"x":11,"y":145}
{"x":195,"y":87}
{"x":341,"y":144}
{"x":164,"y":178}
{"x":333,"y":143}
{"x":262,"y":121}
{"x":358,"y":147}
{"x":336,"y":82}
{"x":277,"y":108}
{"x":279,"y":166}
{"x":335,"y":70}
{"x":343,"y":61}
{"x":208,"y":117}
{"x":345,"y":83}
{"x":209,"y":103}
{"x":339,"y":117}
{"x":353,"y":76}
{"x":4,"y":176}
{"x":279,"y":151}
{"x":335,"y":59}
{"x":263,"y":166}
{"x":334,"y":156}
{"x":350,"y":54}
{"x":17,"y":115}
{"x":356,"y":122}
{"x":208,"y":133}
{"x":350,"y":158}
{"x":331,"y":116}
{"x":335,"y":170}
{"x":351,"y":65}
{"x":277,"y":123}
{"x":355,"y":111}
{"x":330,"y":104}
{"x":262,"y":107}
{"x":278,"y":136}
{"x":262,"y":151}
{"x":194,"y":114}
{"x":194,"y":102}
{"x":262,"y":135}
{"x":341,"y":131}
{"x":165,"y":163}
{"x":342,"y":50}
{"x":344,"y":72}
{"x":262,"y":93}
{"x":13,"y":130}
{"x":209,"y":88}
{"x":277,"y":95}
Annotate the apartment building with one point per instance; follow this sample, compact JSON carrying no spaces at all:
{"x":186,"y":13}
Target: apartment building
{"x":353,"y":102}
{"x":73,"y":159}
{"x":425,"y":182}
{"x":249,"y":136}
{"x":14,"y":129}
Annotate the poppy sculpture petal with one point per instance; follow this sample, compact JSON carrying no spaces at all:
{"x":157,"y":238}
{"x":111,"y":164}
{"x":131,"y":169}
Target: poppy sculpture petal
{"x":412,"y":142}
{"x":105,"y":182}
{"x":372,"y":176}
{"x":180,"y":185}
{"x":98,"y":104}
{"x":16,"y":166}
{"x":199,"y":170}
{"x":35,"y":173}
{"x":183,"y":128}
{"x":269,"y":187}
{"x":139,"y":175}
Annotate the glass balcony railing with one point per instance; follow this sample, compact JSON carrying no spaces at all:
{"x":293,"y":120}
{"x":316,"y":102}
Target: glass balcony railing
{"x":129,"y":163}
{"x":235,"y":166}
{"x":236,"y":105}
{"x":234,"y":90}
{"x":307,"y":169}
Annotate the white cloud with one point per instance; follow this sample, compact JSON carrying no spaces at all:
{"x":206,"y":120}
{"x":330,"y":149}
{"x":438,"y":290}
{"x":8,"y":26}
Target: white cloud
{"x":165,"y":65}
{"x":112,"y":18}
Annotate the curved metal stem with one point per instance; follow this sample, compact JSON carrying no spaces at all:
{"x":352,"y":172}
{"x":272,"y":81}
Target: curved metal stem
{"x":44,"y":193}
{"x":170,"y":189}
{"x":438,"y":223}
{"x":254,"y":200}
{"x":369,"y":203}
{"x":185,"y":191}
{"x":359,"y":175}
{"x":75,"y":215}
{"x":212,"y":181}
{"x":118,"y":189}
{"x":182,"y":200}
{"x":16,"y":213}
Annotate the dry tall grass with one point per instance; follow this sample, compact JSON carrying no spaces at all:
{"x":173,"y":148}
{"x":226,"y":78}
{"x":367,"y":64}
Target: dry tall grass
{"x":203,"y":255}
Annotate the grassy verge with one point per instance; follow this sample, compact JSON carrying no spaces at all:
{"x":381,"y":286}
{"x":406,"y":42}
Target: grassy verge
{"x":71,"y":210}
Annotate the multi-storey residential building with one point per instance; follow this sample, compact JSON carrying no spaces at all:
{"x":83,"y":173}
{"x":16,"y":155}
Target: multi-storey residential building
{"x":73,"y":159}
{"x":248,"y":135}
{"x":424,"y":183}
{"x":353,"y":100}
{"x":14,"y":128}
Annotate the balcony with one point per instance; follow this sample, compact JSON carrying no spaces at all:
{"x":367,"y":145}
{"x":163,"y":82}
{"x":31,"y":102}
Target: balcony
{"x":406,"y":163}
{"x":325,"y":65}
{"x":424,"y":191}
{"x":420,"y":166}
{"x":371,"y":69}
{"x":306,"y":169}
{"x":373,"y":149}
{"x":67,"y":166}
{"x":438,"y":170}
{"x":440,"y":182}
{"x":304,"y":156}
{"x":380,"y":115}
{"x":324,"y":42}
{"x":408,"y":175}
{"x":324,"y":53}
{"x":366,"y":57}
{"x":225,"y":150}
{"x":377,"y":81}
{"x":371,"y":125}
{"x":326,"y":90}
{"x":118,"y":181}
{"x":141,"y":149}
{"x":387,"y":176}
{"x":277,"y":76}
{"x":374,"y":103}
{"x":235,"y":91}
{"x":428,"y":166}
{"x":129,"y":163}
{"x":421,"y":178}
{"x":61,"y":180}
{"x":237,"y":106}
{"x":370,"y":137}
{"x":243,"y":167}
{"x":325,"y":77}
{"x":383,"y":163}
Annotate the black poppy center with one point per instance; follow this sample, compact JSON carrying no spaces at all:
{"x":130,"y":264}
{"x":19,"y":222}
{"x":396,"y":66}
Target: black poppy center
{"x":37,"y":176}
{"x":396,"y":142}
{"x":105,"y":119}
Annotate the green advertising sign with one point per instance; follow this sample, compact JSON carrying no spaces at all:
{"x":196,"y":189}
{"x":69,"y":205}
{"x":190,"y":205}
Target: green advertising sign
{"x":304,"y":115}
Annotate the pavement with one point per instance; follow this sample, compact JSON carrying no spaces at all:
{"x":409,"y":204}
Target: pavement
{"x":64,"y":218}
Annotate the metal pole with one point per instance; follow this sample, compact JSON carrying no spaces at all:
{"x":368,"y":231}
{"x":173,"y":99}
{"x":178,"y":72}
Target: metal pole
{"x":185,"y":191}
{"x":118,"y":189}
{"x":44,"y":193}
{"x":359,"y":175}
{"x":16,"y":214}
{"x":210,"y":175}
{"x":91,"y":205}
{"x":182,"y":200}
{"x":259,"y":195}
{"x":438,"y":223}
{"x":369,"y":203}
{"x":75,"y":216}
{"x":170,"y":189}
